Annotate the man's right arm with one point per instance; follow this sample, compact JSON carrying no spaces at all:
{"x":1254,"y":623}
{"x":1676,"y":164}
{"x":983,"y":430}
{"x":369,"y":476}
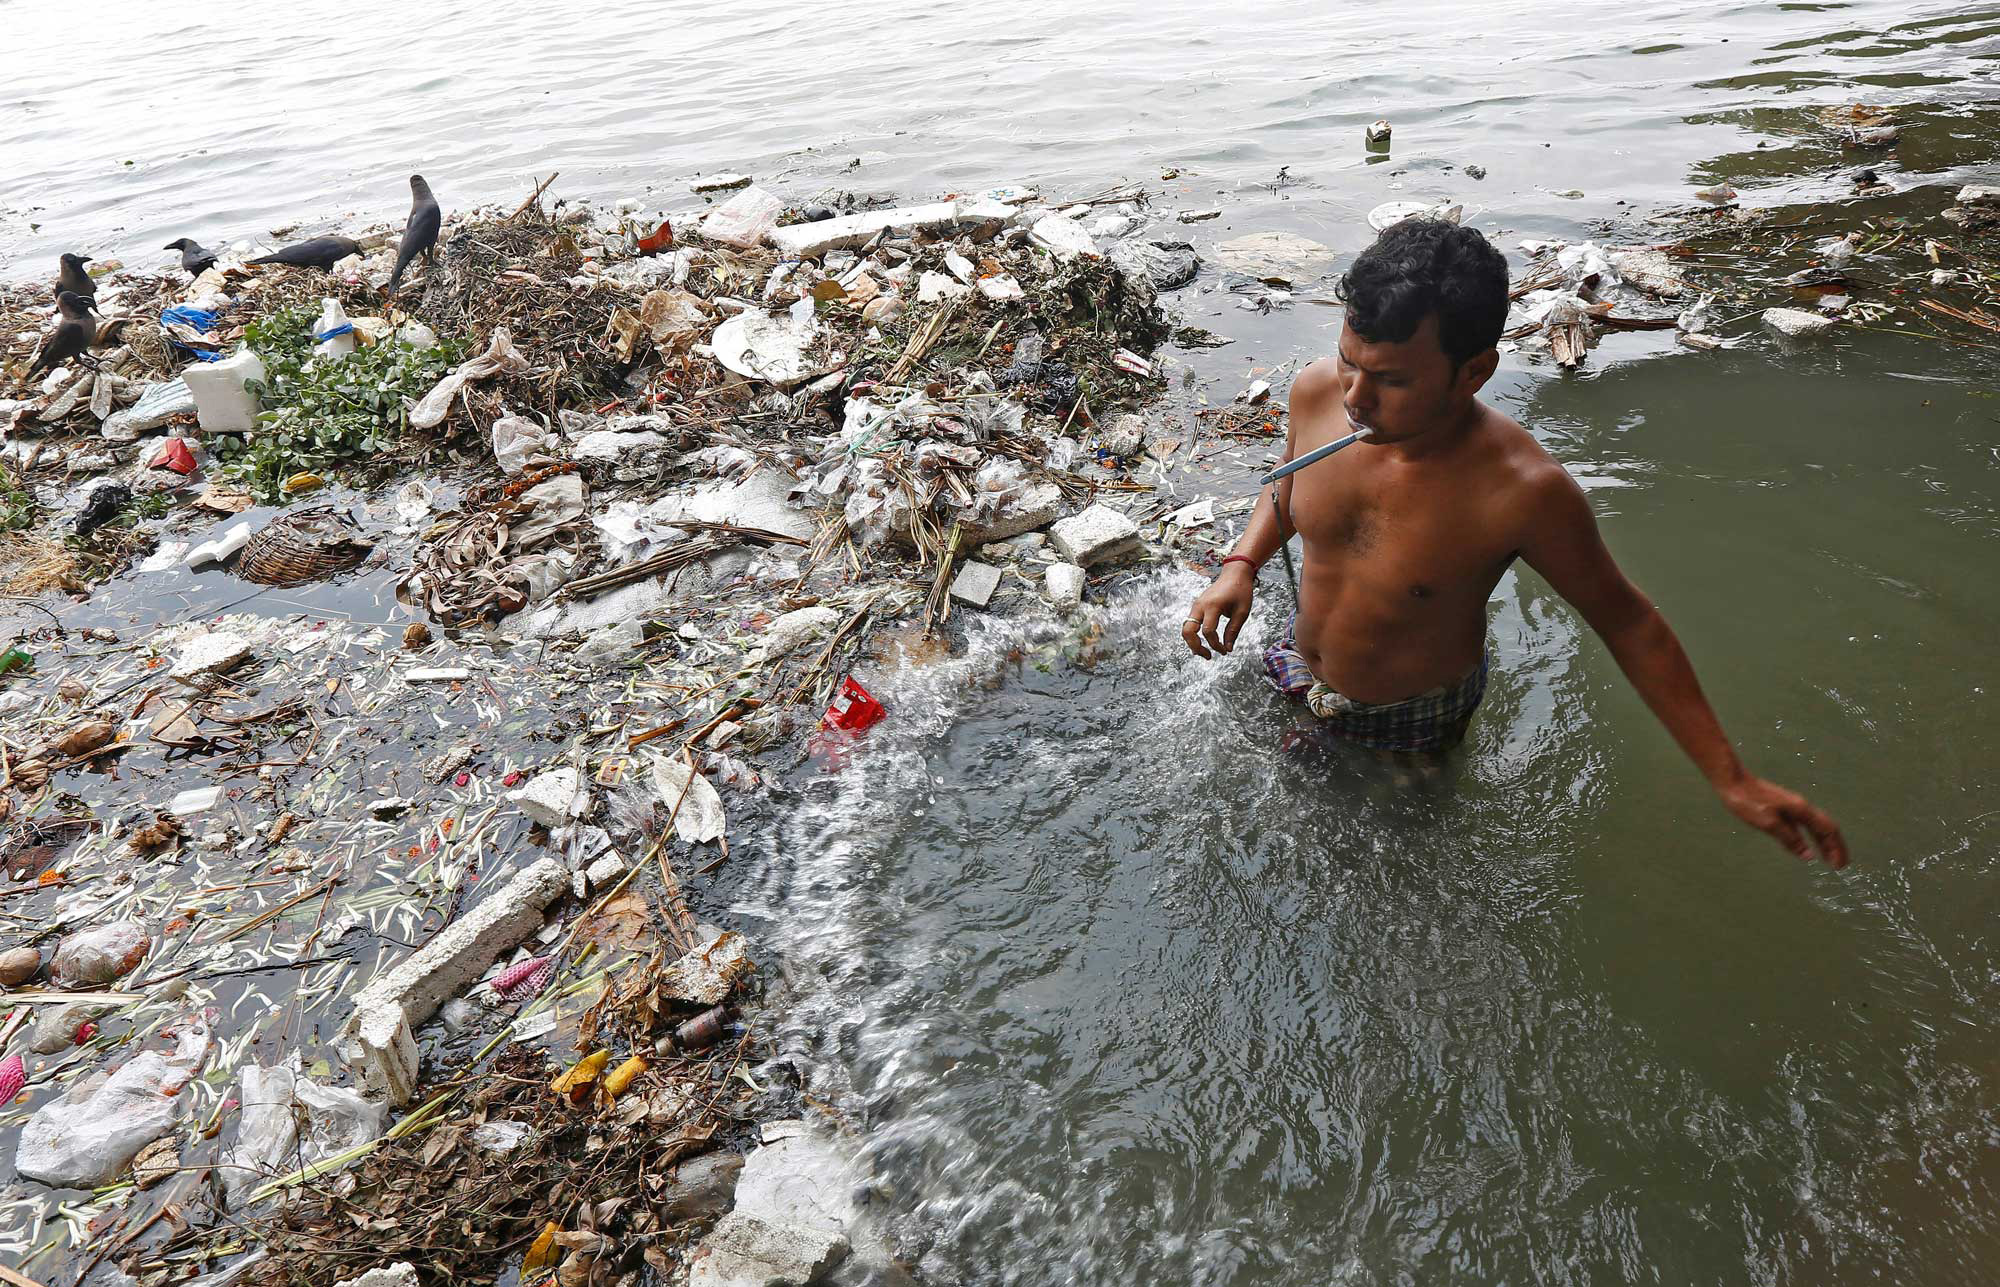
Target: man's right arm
{"x":1228,"y":597}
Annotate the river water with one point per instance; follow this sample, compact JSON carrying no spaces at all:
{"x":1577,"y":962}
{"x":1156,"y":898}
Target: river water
{"x":1124,"y":994}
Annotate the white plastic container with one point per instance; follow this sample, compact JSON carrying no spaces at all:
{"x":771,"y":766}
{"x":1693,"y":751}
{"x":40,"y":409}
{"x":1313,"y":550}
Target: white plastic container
{"x":221,"y":402}
{"x":219,"y":549}
{"x":333,"y":331}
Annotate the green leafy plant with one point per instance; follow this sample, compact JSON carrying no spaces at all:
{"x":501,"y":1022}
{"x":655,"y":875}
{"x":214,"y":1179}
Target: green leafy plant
{"x":318,"y":414}
{"x":17,"y":504}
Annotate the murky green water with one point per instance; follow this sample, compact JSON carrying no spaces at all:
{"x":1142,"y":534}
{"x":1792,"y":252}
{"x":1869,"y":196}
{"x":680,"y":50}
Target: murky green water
{"x":1124,"y":995}
{"x":1130,"y":996}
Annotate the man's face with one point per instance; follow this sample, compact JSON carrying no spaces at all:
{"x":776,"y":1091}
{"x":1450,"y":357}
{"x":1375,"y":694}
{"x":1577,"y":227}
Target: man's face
{"x":1399,"y":389}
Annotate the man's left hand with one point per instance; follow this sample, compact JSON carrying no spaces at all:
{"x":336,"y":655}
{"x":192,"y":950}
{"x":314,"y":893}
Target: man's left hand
{"x":1787,"y":817}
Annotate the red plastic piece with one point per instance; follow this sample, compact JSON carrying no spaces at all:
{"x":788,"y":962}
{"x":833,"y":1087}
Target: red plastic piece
{"x":854,"y":709}
{"x":174,"y":455}
{"x":657,"y":240}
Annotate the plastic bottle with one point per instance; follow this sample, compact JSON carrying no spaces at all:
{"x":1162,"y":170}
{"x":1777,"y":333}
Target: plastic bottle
{"x":334,"y":333}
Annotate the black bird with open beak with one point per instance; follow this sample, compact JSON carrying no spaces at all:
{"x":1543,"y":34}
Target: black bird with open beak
{"x":73,"y":279}
{"x":195,"y":258}
{"x":71,"y":338}
{"x":420,"y":234}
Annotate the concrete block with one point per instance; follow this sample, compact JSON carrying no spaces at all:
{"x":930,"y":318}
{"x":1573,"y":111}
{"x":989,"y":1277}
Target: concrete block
{"x":1064,"y":582}
{"x":798,"y":1178}
{"x":210,"y":654}
{"x":384,"y":1050}
{"x":606,"y":871}
{"x":1098,"y":535}
{"x":222,"y":402}
{"x":1126,"y":436}
{"x":553,"y":799}
{"x":743,"y":1251}
{"x":1035,"y":508}
{"x":378,"y":1038}
{"x":975,"y":583}
{"x":708,"y":974}
{"x":983,"y":210}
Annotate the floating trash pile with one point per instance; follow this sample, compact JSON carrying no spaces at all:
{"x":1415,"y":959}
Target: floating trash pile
{"x":306,"y":917}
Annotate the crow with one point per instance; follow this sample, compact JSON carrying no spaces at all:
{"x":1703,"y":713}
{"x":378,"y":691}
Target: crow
{"x":73,"y":279}
{"x":420,"y":234}
{"x":195,"y":258}
{"x":320,"y":252}
{"x":71,"y":338}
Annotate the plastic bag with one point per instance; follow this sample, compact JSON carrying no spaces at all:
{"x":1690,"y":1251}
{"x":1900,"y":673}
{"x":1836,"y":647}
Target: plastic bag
{"x":517,"y":440}
{"x":268,"y":1139}
{"x":500,"y":355}
{"x":96,"y":956}
{"x":88,"y":1137}
{"x":697,"y":809}
{"x":158,"y":404}
{"x":744,"y":219}
{"x":191,"y":329}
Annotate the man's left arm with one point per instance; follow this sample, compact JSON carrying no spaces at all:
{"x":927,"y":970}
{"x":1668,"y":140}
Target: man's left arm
{"x":1564,"y":545}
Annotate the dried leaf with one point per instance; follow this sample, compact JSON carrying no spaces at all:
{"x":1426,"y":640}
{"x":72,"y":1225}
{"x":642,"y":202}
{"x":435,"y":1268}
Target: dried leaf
{"x":542,"y":1252}
{"x":85,"y":738}
{"x":156,"y":1162}
{"x":624,"y":923}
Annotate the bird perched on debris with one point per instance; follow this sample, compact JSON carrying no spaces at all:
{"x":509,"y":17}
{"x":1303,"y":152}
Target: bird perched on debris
{"x":195,"y":258}
{"x":420,"y":234}
{"x":73,"y":279}
{"x":320,"y":252}
{"x":71,"y":337}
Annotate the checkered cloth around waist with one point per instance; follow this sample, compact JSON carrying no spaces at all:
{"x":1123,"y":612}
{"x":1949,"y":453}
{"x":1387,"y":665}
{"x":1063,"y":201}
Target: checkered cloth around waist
{"x":1435,"y":720}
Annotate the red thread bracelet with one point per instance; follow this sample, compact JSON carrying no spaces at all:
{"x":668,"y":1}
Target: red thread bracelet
{"x":1242,"y":558}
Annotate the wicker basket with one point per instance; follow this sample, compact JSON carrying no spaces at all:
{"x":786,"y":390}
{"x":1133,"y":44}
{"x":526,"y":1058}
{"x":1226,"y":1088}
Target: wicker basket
{"x":305,"y":545}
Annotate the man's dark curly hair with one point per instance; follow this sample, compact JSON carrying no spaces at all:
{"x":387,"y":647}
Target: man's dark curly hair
{"x":1424,"y":266}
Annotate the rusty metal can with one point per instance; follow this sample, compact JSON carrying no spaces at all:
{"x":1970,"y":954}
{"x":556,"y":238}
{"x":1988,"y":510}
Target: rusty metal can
{"x":702,"y":1031}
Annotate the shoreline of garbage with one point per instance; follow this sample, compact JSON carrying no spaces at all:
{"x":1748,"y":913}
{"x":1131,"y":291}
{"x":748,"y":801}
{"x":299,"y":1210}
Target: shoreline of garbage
{"x":648,"y":488}
{"x":657,"y":506}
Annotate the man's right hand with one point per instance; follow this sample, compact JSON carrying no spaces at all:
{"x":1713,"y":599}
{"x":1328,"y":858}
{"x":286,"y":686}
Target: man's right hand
{"x":1226,"y":599}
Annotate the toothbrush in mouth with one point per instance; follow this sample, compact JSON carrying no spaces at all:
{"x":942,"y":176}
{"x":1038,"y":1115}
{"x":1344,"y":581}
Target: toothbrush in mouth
{"x":1317,"y":453}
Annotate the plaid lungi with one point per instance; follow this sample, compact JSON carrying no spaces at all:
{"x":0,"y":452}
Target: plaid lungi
{"x":1435,"y":720}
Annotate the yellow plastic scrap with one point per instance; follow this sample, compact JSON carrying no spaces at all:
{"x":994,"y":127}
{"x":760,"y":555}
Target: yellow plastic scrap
{"x":582,"y":1074}
{"x":302,"y":483}
{"x":622,"y":1076}
{"x":541,"y":1252}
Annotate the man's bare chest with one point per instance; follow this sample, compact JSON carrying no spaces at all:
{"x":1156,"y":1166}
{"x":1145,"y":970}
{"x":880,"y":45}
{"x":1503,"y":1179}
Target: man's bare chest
{"x":1407,"y":531}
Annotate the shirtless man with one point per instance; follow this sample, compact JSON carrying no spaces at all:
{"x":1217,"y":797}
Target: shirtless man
{"x":1406,"y":533}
